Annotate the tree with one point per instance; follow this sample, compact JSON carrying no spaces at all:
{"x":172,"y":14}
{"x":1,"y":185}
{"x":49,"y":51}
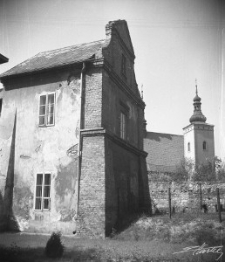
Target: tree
{"x":211,"y":170}
{"x":183,"y":170}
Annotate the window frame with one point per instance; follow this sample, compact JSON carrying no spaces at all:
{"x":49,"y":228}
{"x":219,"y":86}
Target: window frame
{"x":42,"y":197}
{"x":124,"y":115}
{"x":46,"y":109}
{"x":123,"y":125}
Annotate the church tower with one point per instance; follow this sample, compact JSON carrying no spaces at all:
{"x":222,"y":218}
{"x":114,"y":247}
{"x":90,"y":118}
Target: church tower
{"x":198,"y":135}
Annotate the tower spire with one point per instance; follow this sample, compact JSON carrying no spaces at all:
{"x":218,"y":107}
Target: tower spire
{"x":196,"y":87}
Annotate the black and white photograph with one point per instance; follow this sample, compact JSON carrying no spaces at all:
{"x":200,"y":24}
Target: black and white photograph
{"x":112,"y":130}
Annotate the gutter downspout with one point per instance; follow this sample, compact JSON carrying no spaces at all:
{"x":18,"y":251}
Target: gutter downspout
{"x":80,"y":140}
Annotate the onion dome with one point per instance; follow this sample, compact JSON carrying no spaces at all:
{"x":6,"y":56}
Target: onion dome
{"x":197,"y":114}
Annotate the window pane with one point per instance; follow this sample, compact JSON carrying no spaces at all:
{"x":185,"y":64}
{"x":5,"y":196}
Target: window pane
{"x":38,"y":203}
{"x":51,"y":99}
{"x":47,"y":191}
{"x":50,"y":109}
{"x":39,"y":179}
{"x":42,"y":110}
{"x":39,"y":191}
{"x":41,"y":120}
{"x":42,"y":100}
{"x":47,"y":179}
{"x":50,"y":120}
{"x":46,"y":203}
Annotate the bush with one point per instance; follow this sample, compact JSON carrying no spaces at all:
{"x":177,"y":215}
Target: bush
{"x":54,"y":247}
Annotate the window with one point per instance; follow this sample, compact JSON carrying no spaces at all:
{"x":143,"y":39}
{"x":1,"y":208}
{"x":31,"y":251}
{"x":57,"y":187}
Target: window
{"x":43,"y":186}
{"x":47,"y":110}
{"x":123,"y":65}
{"x":204,"y":145}
{"x":122,"y":125}
{"x":189,"y":146}
{"x":124,"y":116}
{"x":0,"y":107}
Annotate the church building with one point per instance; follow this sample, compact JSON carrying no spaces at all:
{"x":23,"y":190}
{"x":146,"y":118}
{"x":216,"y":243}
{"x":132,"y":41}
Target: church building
{"x":166,"y":151}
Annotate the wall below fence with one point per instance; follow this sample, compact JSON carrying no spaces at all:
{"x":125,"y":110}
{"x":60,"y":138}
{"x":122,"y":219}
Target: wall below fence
{"x":185,"y":196}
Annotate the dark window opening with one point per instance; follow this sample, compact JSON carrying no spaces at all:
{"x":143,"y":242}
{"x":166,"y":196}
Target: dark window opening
{"x":204,"y":145}
{"x":189,"y":146}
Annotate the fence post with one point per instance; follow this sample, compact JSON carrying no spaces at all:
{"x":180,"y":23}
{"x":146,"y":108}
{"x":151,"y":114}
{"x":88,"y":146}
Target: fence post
{"x":200,"y":195}
{"x":218,"y":204}
{"x":169,"y":198}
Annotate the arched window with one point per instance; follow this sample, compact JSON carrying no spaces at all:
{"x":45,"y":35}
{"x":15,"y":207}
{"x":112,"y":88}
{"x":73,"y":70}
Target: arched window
{"x":204,"y":145}
{"x":189,"y":146}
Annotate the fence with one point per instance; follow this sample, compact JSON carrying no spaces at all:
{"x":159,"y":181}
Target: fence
{"x":185,"y":197}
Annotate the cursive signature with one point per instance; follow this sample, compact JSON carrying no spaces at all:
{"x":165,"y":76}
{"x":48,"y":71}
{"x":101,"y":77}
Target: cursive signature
{"x":203,"y":249}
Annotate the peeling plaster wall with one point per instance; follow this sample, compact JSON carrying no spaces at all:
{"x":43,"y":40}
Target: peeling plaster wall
{"x":41,"y":149}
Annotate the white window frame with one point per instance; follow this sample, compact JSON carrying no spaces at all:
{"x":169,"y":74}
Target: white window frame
{"x":46,"y":113}
{"x":42,"y":191}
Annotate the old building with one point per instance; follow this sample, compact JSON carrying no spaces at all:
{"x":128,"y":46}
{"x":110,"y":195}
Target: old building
{"x":71,"y":139}
{"x":166,"y":151}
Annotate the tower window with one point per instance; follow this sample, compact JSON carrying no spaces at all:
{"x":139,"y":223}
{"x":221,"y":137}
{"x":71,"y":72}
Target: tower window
{"x":204,"y":145}
{"x":189,"y":147}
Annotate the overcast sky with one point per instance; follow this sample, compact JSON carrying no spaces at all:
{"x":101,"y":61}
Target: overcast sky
{"x":175,"y":42}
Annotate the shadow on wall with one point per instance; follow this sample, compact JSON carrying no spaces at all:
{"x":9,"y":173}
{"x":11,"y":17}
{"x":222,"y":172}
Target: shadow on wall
{"x":8,"y":220}
{"x":127,"y":190}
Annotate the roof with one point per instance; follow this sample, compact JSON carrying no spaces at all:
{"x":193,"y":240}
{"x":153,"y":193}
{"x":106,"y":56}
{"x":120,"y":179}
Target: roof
{"x":3,"y":59}
{"x":165,"y":151}
{"x":56,"y":58}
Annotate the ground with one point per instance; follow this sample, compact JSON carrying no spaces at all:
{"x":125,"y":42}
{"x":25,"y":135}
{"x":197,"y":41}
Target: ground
{"x":154,"y":238}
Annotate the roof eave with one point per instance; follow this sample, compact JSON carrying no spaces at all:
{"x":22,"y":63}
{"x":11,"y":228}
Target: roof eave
{"x":5,"y":77}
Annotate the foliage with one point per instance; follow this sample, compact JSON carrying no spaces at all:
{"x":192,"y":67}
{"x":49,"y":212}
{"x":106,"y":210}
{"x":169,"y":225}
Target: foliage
{"x":211,"y":170}
{"x":54,"y":247}
{"x":183,"y":170}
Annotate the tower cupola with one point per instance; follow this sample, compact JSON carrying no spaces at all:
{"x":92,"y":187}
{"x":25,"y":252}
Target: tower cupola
{"x":197,"y":114}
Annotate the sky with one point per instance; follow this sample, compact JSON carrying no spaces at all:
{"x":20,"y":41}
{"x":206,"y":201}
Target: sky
{"x":175,"y":42}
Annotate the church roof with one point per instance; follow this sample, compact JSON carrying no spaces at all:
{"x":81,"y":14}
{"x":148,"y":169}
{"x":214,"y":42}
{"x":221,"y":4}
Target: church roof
{"x":165,"y":151}
{"x":56,"y":58}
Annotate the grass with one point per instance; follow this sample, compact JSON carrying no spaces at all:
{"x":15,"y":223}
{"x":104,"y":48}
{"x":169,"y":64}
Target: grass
{"x":148,"y":239}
